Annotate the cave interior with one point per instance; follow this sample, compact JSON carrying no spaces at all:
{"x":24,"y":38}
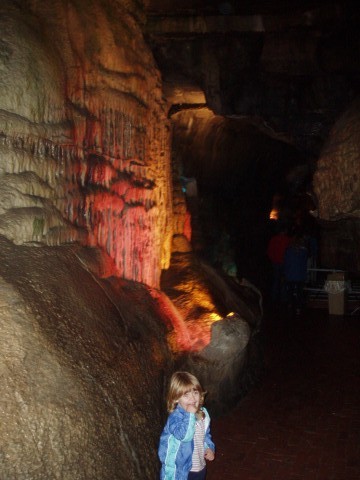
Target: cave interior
{"x":148,"y":152}
{"x":253,"y":91}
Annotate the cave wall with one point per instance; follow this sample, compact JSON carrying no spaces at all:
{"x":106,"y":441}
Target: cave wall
{"x":86,"y":224}
{"x":337,"y":188}
{"x":336,"y":181}
{"x":84,"y":136}
{"x":82,"y":368}
{"x":84,"y":159}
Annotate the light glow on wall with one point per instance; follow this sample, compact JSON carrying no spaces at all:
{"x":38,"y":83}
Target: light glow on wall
{"x":274,"y":214}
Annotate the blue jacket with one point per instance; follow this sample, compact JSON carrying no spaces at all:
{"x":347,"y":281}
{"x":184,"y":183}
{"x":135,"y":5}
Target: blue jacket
{"x":295,"y":264}
{"x":177,"y":443}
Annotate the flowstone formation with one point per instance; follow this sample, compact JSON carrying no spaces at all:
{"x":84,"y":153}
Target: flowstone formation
{"x":84,"y":137}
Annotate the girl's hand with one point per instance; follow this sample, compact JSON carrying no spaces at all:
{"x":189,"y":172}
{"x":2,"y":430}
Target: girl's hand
{"x":209,"y":454}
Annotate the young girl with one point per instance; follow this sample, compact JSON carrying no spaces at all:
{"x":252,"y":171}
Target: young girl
{"x":185,"y":442}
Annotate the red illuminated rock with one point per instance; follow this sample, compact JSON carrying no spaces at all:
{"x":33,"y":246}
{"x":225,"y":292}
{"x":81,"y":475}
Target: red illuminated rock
{"x":82,"y":114}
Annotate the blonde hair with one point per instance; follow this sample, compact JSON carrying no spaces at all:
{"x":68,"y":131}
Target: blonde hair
{"x":181,"y":383}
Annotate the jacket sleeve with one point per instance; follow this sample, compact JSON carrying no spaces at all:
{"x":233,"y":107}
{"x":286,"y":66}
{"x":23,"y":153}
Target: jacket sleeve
{"x":208,"y":443}
{"x":182,"y":425}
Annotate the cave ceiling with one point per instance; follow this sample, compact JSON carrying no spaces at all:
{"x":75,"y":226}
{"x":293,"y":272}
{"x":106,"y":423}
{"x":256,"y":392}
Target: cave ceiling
{"x":244,"y":7}
{"x":292,"y":66}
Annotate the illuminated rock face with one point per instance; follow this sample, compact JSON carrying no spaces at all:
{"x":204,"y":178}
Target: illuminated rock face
{"x":202,"y":296}
{"x":84,"y":147}
{"x":215,"y":321}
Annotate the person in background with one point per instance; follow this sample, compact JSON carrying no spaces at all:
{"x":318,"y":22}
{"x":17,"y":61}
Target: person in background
{"x":311,"y":241}
{"x":295,"y":272}
{"x":185,"y":442}
{"x":275,"y":252}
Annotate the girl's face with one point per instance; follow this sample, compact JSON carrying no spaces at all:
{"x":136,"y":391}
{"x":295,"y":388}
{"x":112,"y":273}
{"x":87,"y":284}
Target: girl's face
{"x":190,"y":399}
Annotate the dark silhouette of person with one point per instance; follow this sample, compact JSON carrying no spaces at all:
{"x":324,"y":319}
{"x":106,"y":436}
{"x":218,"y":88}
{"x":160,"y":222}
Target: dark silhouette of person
{"x":295,"y":272}
{"x":276,"y":251}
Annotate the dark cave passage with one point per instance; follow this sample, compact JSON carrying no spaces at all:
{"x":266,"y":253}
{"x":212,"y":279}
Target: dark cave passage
{"x":241,"y":174}
{"x":253,"y":105}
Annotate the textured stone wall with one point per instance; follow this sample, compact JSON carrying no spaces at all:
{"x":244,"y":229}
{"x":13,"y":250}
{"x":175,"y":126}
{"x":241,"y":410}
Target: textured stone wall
{"x":337,"y":187}
{"x":84,"y":144}
{"x":81,"y":369}
{"x":336,"y":180}
{"x":84,"y":157}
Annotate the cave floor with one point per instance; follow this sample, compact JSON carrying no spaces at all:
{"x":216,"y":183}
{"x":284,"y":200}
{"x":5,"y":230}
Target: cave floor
{"x":302,"y":420}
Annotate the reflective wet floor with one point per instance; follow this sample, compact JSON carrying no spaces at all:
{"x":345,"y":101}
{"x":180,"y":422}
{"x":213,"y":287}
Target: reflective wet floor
{"x":302,"y":420}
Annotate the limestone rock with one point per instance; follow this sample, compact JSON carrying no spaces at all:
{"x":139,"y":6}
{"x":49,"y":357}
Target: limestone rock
{"x":81,"y":369}
{"x":84,"y":129}
{"x":336,"y":181}
{"x":224,"y":363}
{"x":203,"y":296}
{"x":229,"y":365}
{"x":337,"y":188}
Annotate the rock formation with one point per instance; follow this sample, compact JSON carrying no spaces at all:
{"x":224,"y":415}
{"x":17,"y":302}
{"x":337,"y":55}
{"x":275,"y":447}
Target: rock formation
{"x":86,"y":227}
{"x":84,"y":137}
{"x":336,"y":178}
{"x":82,"y":368}
{"x":216,"y":334}
{"x":336,"y":185}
